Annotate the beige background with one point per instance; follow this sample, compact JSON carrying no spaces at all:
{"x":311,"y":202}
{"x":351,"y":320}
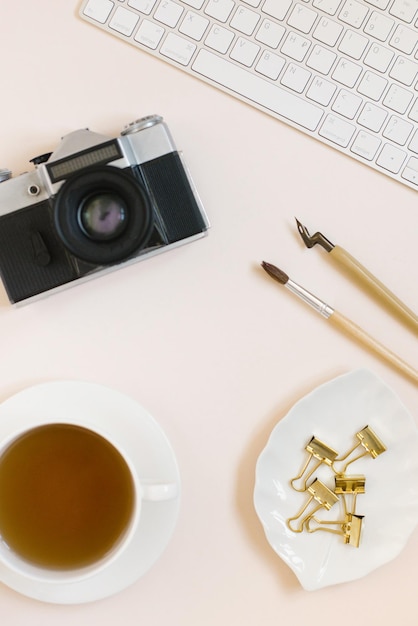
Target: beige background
{"x":201,"y":336}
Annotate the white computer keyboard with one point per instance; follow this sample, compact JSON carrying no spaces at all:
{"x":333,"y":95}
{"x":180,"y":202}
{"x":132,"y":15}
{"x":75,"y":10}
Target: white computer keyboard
{"x":342,"y":71}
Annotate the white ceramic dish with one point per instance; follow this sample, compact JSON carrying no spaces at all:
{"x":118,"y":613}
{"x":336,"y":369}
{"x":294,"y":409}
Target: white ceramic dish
{"x":147,"y":445}
{"x":334,"y":412}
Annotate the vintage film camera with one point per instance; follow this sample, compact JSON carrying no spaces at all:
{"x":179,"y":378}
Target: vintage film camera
{"x":93,"y":205}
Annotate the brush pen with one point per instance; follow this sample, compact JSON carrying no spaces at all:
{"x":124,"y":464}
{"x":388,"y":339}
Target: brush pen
{"x":341,"y":322}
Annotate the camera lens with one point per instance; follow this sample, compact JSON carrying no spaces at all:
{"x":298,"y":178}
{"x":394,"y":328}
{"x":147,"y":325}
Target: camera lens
{"x":103,"y":216}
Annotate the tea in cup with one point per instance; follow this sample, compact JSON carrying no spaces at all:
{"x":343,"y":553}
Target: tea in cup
{"x":70,"y":501}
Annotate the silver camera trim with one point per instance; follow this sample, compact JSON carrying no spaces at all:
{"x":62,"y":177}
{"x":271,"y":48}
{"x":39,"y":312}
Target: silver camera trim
{"x":143,"y":140}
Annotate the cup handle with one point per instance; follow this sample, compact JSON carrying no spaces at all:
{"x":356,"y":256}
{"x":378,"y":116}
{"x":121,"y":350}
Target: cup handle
{"x":156,"y":491}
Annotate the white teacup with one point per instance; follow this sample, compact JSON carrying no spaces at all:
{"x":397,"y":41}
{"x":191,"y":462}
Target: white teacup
{"x":49,"y":475}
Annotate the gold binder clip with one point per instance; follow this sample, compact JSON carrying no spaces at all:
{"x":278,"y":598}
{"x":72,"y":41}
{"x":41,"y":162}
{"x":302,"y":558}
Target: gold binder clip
{"x":316,"y":450}
{"x":349,"y":486}
{"x":319,"y":495}
{"x":369,"y":441}
{"x":349,"y":528}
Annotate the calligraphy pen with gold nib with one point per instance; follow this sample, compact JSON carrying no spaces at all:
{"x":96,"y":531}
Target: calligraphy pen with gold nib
{"x":337,"y":319}
{"x":363,"y":277}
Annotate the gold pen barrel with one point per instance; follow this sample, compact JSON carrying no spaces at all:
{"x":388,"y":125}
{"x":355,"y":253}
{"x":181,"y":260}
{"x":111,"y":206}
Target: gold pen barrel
{"x":375,"y":287}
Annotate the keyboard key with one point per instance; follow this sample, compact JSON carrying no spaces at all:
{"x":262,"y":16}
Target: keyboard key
{"x":372,"y":117}
{"x":321,"y":59}
{"x":372,"y":85}
{"x":398,"y":130}
{"x":277,"y":8}
{"x":194,"y":25}
{"x":270,"y":65}
{"x":245,"y":21}
{"x":98,"y":10}
{"x":398,"y":99}
{"x":353,"y":13}
{"x":302,"y":18}
{"x":410,"y":172}
{"x":296,"y":46}
{"x":295,"y":77}
{"x":405,"y":10}
{"x":379,"y":57}
{"x":413,"y":144}
{"x":149,"y":34}
{"x":178,"y":49}
{"x":327,"y":31}
{"x":366,"y":145}
{"x":413,"y":113}
{"x":220,"y":9}
{"x":258,"y":90}
{"x":346,"y":72}
{"x":391,"y":158}
{"x":404,"y":39}
{"x":321,"y":91}
{"x":145,"y":6}
{"x":327,"y":6}
{"x":219,"y":38}
{"x":404,"y":70}
{"x":124,"y":21}
{"x":168,"y":13}
{"x":347,"y":104}
{"x":379,"y":26}
{"x":337,"y":130}
{"x":244,"y":51}
{"x":353,"y":44}
{"x":270,"y":33}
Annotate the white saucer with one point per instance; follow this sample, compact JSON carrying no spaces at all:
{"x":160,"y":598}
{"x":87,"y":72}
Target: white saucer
{"x":143,"y":439}
{"x":333,"y":413}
